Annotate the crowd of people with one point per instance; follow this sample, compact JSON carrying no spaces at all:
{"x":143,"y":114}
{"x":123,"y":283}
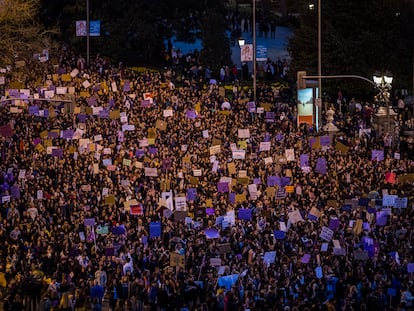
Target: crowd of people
{"x":148,"y":192}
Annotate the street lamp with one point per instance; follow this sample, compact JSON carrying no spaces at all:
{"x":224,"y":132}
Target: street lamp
{"x":87,"y":33}
{"x":383,"y":84}
{"x":254,"y":52}
{"x":241,"y":42}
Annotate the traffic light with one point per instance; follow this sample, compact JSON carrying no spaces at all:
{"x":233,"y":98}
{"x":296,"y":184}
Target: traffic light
{"x":301,"y":81}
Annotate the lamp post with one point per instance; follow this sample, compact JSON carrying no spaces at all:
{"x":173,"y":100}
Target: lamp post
{"x":383,"y":83}
{"x":319,"y":116}
{"x":87,"y":32}
{"x":241,"y":42}
{"x":254,"y":51}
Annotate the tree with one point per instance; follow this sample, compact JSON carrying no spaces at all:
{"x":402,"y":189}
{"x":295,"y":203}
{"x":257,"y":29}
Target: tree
{"x":358,"y":37}
{"x":216,"y":47}
{"x":21,"y":34}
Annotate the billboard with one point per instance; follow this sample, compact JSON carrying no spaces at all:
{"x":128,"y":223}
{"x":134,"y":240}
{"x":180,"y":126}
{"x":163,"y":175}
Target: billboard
{"x":94,"y":28}
{"x":306,"y":100}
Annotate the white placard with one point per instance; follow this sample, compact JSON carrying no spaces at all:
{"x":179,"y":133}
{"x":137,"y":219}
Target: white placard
{"x":239,"y":154}
{"x":151,"y":171}
{"x":86,"y":84}
{"x":264,"y":146}
{"x":49,"y":93}
{"x":215,"y":149}
{"x":268,"y":160}
{"x":253,"y":191}
{"x":168,"y":113}
{"x":197,"y":172}
{"x":243,"y":133}
{"x":180,"y":203}
{"x":326,"y":234}
{"x":61,"y":90}
{"x":97,"y":138}
{"x":290,"y":154}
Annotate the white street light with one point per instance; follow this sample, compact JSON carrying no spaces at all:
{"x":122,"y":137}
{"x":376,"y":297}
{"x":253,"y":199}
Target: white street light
{"x":241,"y":42}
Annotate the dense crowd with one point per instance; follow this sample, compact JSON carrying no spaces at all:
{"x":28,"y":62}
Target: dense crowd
{"x":167,"y":192}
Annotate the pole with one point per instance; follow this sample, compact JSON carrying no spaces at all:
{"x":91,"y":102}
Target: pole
{"x":320,"y":63}
{"x":254,"y":52}
{"x":87,"y":32}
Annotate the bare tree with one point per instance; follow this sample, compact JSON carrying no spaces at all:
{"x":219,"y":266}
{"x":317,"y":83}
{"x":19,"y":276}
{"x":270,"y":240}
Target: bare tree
{"x":21,"y":33}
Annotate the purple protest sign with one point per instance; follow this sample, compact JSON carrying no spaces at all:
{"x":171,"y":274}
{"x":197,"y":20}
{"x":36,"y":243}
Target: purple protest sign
{"x":96,"y":88}
{"x":190,"y":114}
{"x":244,"y":214}
{"x":15,"y":191}
{"x":381,"y":218}
{"x":279,"y":136}
{"x":111,"y":103}
{"x":127,"y":86}
{"x":61,"y":71}
{"x":104,"y":114}
{"x":153,"y":150}
{"x":210,"y":211}
{"x":139,"y":153}
{"x":312,"y":141}
{"x":279,"y":234}
{"x":14,"y":93}
{"x":145,"y":103}
{"x":191,"y":194}
{"x":92,"y":101}
{"x":155,"y":229}
{"x":52,"y":134}
{"x":109,"y":251}
{"x":89,"y":222}
{"x":57,"y":152}
{"x":166,"y":164}
{"x":333,"y":223}
{"x":257,"y":181}
{"x":304,"y":160}
{"x":270,"y":116}
{"x":223,"y":187}
{"x":232,"y":197}
{"x":251,"y":107}
{"x":285,"y":181}
{"x":325,"y":140}
{"x":37,"y":141}
{"x":67,"y":134}
{"x":34,"y":110}
{"x":321,"y":166}
{"x":273,"y":181}
{"x":212,"y":233}
{"x":410,"y":267}
{"x":305,"y":258}
{"x":377,"y":155}
{"x":119,"y":230}
{"x":82,"y":117}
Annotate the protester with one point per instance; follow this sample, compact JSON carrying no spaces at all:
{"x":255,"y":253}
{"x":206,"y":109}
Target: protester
{"x":145,"y":189}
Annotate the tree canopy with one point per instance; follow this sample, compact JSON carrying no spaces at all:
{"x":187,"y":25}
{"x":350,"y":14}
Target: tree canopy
{"x":358,"y":37}
{"x":21,"y":33}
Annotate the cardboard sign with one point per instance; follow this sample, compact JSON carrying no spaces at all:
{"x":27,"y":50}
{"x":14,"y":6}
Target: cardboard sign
{"x":177,"y":260}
